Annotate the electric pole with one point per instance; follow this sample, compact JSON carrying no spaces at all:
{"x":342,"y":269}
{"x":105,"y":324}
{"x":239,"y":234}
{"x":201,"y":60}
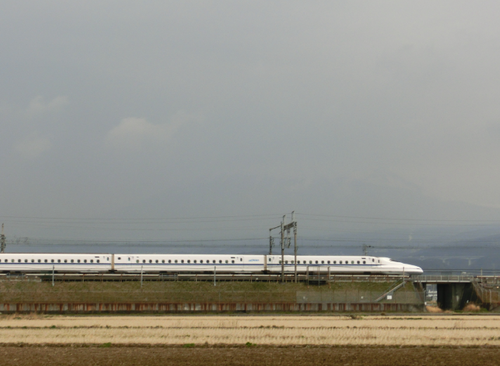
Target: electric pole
{"x":285,"y":241}
{"x":2,"y":241}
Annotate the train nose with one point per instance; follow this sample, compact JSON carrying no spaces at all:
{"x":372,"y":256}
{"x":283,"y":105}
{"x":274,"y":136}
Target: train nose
{"x":414,"y":270}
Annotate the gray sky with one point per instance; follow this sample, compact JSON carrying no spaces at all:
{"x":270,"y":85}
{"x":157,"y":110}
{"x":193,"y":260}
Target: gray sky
{"x":168,"y":109}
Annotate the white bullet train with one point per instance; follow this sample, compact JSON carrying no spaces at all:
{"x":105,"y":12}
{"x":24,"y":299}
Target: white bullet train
{"x":198,"y":263}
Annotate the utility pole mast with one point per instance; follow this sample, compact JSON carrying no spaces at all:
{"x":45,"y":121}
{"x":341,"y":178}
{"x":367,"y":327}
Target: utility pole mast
{"x":285,"y":241}
{"x":2,"y":241}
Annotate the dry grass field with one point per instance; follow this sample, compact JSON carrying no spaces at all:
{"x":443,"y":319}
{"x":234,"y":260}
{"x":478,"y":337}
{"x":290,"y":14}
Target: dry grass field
{"x":197,"y":331}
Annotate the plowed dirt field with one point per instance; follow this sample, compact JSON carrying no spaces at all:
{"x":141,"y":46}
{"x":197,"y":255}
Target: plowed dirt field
{"x":116,"y":356}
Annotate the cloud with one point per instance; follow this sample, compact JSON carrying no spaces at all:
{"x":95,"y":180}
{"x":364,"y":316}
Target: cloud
{"x":33,"y":146}
{"x":133,"y":133}
{"x":38,"y":106}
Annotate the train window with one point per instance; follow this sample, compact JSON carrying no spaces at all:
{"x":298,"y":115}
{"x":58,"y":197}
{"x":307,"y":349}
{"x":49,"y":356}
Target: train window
{"x":189,"y":261}
{"x":316,"y":262}
{"x":19,"y":260}
{"x":328,"y":262}
{"x":84,"y":261}
{"x":25,"y":261}
{"x":364,"y":262}
{"x":163,"y":260}
{"x":322,"y":262}
{"x":65,"y":261}
{"x":286,"y":262}
{"x":373,"y":260}
{"x":143,"y":261}
{"x":157,"y":261}
{"x":310,"y":262}
{"x":305,"y":262}
{"x":58,"y":261}
{"x":52,"y":260}
{"x":78,"y":261}
{"x":46,"y":261}
{"x":91,"y":261}
{"x":182,"y":260}
{"x":150,"y":261}
{"x":72,"y":261}
{"x":175,"y":261}
{"x":137,"y":261}
{"x":226,"y":260}
{"x":39,"y":261}
{"x":241,"y":259}
{"x":358,"y":262}
{"x":232,"y":261}
{"x":201,"y":260}
{"x":280,"y":262}
{"x":334,"y":262}
{"x":97,"y":260}
{"x":169,"y":261}
{"x":121,"y":258}
{"x":352,"y":262}
{"x":220,"y":260}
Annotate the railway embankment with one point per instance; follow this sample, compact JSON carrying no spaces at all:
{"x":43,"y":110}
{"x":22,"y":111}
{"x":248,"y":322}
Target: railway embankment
{"x":203,"y":296}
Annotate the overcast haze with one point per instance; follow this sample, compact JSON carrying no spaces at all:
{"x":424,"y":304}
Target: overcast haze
{"x":162,"y":110}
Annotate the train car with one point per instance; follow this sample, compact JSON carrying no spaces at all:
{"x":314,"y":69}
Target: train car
{"x":341,"y":264}
{"x":194,"y":263}
{"x":57,"y":262}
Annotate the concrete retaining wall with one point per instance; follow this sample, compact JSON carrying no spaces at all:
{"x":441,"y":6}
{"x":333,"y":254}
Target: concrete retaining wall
{"x":146,"y":307}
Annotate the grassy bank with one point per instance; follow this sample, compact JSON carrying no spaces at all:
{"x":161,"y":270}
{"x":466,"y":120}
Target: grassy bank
{"x":190,"y":291}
